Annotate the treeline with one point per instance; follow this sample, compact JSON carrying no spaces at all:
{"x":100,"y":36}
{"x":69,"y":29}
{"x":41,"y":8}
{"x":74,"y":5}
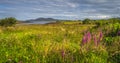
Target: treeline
{"x":101,"y":21}
{"x":11,"y":21}
{"x":98,"y":22}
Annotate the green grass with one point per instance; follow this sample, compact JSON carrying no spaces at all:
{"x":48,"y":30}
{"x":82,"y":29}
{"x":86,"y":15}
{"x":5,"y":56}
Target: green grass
{"x":49,"y":44}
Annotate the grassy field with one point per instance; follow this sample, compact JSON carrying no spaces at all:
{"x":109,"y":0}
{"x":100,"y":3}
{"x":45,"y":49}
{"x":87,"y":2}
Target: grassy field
{"x":58,"y":43}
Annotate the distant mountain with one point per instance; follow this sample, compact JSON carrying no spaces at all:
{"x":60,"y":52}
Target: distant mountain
{"x":42,"y":19}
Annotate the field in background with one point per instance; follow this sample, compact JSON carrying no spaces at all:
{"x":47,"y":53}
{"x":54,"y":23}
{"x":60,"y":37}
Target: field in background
{"x":58,"y":43}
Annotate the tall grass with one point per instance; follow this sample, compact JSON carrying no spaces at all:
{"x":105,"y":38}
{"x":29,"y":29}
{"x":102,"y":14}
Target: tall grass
{"x":52,"y":44}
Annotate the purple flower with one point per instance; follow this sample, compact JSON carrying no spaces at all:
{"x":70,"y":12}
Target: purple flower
{"x":96,"y":38}
{"x":88,"y":36}
{"x":100,"y":36}
{"x":118,"y":33}
{"x":84,"y":40}
{"x":63,"y":53}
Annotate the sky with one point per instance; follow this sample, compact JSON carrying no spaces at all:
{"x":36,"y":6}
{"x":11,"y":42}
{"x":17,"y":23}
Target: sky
{"x":59,"y":9}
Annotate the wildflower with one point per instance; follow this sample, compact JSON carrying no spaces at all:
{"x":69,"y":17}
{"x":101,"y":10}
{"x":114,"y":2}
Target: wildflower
{"x":84,"y":40}
{"x":100,"y":36}
{"x":118,"y":33}
{"x":88,"y":37}
{"x":63,"y":53}
{"x":96,"y":38}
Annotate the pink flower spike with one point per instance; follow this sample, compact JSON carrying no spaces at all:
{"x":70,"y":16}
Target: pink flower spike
{"x":84,"y":40}
{"x":100,"y":37}
{"x":88,"y":37}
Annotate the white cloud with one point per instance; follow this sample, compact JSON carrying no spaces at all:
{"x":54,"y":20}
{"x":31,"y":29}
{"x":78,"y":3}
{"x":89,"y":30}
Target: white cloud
{"x":72,"y":4}
{"x":99,"y":17}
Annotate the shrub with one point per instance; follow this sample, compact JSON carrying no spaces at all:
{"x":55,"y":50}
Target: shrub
{"x":8,"y":22}
{"x":86,"y":21}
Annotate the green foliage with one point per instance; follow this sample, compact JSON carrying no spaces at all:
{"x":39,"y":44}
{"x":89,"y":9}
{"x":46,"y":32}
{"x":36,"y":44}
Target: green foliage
{"x":101,"y":22}
{"x":59,"y":43}
{"x":41,"y":44}
{"x":8,"y":22}
{"x":111,"y":38}
{"x":86,"y":21}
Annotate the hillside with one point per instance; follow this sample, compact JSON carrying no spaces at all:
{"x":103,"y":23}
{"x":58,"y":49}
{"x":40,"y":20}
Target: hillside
{"x":42,"y":19}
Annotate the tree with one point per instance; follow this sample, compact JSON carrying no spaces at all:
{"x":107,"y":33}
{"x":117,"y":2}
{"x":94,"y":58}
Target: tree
{"x":8,"y":22}
{"x":86,"y":21}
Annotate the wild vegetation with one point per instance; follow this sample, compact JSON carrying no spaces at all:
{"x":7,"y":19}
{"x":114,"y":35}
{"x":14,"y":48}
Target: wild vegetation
{"x":6,"y":22}
{"x":87,"y":41}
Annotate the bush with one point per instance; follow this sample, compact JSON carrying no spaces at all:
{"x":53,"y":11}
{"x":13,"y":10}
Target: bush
{"x":86,"y":21}
{"x":8,"y":22}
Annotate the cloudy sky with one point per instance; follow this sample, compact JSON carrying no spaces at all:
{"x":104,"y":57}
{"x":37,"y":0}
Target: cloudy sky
{"x":60,"y":9}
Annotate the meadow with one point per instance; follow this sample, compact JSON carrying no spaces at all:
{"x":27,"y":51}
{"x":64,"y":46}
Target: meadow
{"x":60,"y":43}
